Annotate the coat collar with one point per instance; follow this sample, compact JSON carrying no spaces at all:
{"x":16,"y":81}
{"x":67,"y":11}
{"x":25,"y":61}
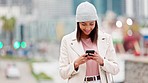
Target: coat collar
{"x":101,"y":40}
{"x":78,"y":47}
{"x":75,"y":45}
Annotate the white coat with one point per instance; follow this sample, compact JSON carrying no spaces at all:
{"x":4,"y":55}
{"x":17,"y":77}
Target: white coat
{"x":70,"y":50}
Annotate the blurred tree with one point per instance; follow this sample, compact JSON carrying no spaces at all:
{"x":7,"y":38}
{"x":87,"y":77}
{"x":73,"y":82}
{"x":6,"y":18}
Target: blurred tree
{"x":9,"y":26}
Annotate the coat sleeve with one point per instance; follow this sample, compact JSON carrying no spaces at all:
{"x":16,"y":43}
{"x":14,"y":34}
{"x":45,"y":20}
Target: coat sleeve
{"x":66,"y":67}
{"x":110,"y":63}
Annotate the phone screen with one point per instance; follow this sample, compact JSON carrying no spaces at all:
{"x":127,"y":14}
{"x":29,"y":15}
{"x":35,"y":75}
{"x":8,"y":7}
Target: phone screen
{"x":90,"y":52}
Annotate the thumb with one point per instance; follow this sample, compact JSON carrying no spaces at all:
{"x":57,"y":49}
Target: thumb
{"x":84,"y":55}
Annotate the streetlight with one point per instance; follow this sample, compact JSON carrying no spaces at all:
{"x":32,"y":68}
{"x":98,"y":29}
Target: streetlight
{"x":129,"y":23}
{"x":119,"y":24}
{"x":17,"y":45}
{"x":23,"y":44}
{"x":1,"y":45}
{"x":118,"y":38}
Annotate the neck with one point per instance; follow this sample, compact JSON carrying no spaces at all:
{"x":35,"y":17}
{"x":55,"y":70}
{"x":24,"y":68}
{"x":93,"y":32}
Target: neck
{"x":85,"y":36}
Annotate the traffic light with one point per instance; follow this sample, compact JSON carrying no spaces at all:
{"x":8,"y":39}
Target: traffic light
{"x":17,"y":45}
{"x":23,"y":44}
{"x":1,"y":45}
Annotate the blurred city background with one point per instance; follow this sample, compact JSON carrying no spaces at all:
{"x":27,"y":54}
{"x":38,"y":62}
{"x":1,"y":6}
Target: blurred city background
{"x":31,"y":31}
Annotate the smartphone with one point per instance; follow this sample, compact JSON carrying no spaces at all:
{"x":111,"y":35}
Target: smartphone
{"x":90,"y":52}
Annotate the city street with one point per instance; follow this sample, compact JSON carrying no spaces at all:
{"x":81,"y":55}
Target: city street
{"x":24,"y":70}
{"x":37,"y":45}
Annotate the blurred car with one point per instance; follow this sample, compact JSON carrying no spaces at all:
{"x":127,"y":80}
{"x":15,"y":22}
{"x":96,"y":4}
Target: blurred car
{"x":12,"y":71}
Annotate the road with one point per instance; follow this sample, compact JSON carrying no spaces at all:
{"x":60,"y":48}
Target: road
{"x":26,"y":76}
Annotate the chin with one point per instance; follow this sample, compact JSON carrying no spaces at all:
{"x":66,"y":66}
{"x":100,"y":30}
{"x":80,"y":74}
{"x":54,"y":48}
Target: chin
{"x":87,"y":33}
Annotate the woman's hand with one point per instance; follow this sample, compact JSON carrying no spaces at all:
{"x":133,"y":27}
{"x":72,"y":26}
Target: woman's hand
{"x":98,"y":58}
{"x":81,"y":60}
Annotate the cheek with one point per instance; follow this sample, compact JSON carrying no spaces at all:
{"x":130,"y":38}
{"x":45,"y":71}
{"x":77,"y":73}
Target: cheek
{"x":92,"y":27}
{"x":82,"y":27}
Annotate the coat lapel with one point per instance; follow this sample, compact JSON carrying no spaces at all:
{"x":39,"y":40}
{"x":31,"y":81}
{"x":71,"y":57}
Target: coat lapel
{"x":101,"y":43}
{"x":76,"y":46}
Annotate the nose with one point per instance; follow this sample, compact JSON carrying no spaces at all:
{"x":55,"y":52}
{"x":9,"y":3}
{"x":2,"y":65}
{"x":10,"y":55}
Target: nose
{"x":87,"y":28}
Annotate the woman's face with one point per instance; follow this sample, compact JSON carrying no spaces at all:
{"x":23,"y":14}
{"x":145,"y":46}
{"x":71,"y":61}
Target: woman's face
{"x":87,"y":27}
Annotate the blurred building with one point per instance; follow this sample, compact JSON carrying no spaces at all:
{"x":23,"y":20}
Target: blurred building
{"x":38,"y":17}
{"x":102,"y":6}
{"x":53,"y":8}
{"x":15,"y":7}
{"x":48,"y":14}
{"x":132,"y":8}
{"x":137,"y":9}
{"x":42,"y":19}
{"x":20,"y":9}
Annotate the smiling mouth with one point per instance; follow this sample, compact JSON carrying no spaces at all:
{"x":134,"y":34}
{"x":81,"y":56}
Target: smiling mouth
{"x":87,"y":31}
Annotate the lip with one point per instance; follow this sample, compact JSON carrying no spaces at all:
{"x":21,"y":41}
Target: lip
{"x":87,"y":31}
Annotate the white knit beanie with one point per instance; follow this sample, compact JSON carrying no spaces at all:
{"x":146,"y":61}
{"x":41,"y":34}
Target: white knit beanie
{"x":86,"y":12}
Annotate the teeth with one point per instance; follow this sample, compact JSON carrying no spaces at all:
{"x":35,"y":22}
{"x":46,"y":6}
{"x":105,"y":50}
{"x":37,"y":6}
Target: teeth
{"x":87,"y":31}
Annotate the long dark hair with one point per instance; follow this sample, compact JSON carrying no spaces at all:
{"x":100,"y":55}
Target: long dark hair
{"x":93,"y":35}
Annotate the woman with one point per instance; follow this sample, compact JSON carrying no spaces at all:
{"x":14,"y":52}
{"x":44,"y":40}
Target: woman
{"x":75,"y":64}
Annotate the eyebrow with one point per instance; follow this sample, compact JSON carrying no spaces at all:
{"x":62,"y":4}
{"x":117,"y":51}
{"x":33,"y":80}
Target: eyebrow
{"x":85,"y":22}
{"x":82,"y":22}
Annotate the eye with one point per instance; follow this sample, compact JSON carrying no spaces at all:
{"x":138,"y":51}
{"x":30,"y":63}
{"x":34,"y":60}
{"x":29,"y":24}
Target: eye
{"x":83,"y":24}
{"x":91,"y":24}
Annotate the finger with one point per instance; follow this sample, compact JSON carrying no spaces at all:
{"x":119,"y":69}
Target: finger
{"x":89,"y":56}
{"x":84,"y":60}
{"x":93,"y":54}
{"x":96,"y":54}
{"x":93,"y":58}
{"x":84,"y":55}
